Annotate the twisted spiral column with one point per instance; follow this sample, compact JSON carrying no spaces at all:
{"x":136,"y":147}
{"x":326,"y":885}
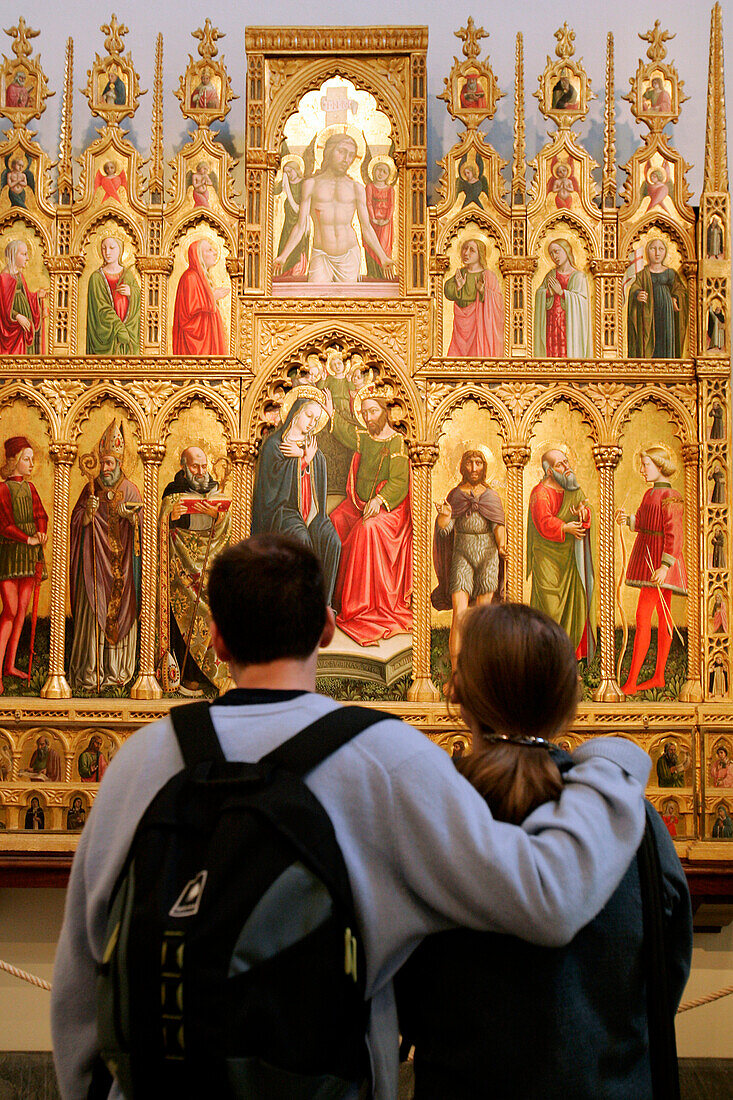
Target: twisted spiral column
{"x":242,"y":456}
{"x":606,"y":457}
{"x":516,"y":456}
{"x":146,"y":686}
{"x":691,"y":691}
{"x":423,"y":457}
{"x":63,"y":456}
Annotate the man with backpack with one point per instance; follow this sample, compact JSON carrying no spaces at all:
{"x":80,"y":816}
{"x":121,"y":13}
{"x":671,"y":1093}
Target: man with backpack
{"x":255,"y":994}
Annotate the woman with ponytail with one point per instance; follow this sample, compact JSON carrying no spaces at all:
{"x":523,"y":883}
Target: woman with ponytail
{"x":490,"y":1015}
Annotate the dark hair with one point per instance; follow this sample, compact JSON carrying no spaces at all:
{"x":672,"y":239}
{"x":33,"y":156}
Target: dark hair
{"x":267,"y":598}
{"x":516,"y":675}
{"x":464,"y":462}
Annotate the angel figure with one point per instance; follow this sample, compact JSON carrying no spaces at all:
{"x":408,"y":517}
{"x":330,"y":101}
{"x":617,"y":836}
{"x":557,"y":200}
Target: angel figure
{"x":562,"y":183}
{"x":294,"y":171}
{"x":203,"y":184}
{"x":111,"y":182}
{"x":18,"y":178}
{"x":378,"y":174}
{"x":656,"y":186}
{"x":472,"y":183}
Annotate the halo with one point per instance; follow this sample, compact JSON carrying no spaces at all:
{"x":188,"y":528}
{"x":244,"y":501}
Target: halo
{"x":117,"y":233}
{"x":293,"y":158}
{"x":306,"y":393}
{"x":544,"y":445}
{"x":13,"y":236}
{"x":663,"y":447}
{"x":383,"y":159}
{"x":470,"y":162}
{"x":343,"y":130}
{"x":371,"y":390}
{"x":463,"y":445}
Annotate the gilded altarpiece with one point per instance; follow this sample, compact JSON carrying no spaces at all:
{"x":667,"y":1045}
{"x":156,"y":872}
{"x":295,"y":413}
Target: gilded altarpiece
{"x":326,"y":353}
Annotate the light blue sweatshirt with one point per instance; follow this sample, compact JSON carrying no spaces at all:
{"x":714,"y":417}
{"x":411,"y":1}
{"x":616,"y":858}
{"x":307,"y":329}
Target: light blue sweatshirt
{"x":421,"y":847}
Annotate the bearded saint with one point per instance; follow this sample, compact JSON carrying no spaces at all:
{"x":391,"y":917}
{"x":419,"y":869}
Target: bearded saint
{"x":198,"y":328}
{"x":194,"y":528}
{"x":374,"y":524}
{"x":46,"y":761}
{"x":105,"y":572}
{"x":559,"y":552}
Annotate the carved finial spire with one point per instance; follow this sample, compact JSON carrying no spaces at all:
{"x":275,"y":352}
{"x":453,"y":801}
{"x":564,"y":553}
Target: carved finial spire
{"x":471,"y":35}
{"x":565,"y":42}
{"x":609,"y":144}
{"x":208,"y":36}
{"x":519,"y":167}
{"x":656,"y":38}
{"x":65,"y":179}
{"x":21,"y":47}
{"x":155,"y":182}
{"x":716,"y":153}
{"x":115,"y":32}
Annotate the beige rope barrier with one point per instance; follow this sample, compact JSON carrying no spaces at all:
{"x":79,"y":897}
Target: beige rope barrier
{"x":24,"y":975}
{"x":684,"y":1007}
{"x":687,"y":1005}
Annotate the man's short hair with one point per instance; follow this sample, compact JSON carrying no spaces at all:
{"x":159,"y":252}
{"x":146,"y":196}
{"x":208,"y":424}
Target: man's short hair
{"x":268,"y":600}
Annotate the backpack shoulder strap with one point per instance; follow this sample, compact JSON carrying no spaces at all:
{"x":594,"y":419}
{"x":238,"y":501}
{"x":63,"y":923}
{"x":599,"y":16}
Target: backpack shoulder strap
{"x":660,"y":1013}
{"x":307,"y":748}
{"x":196,"y":735}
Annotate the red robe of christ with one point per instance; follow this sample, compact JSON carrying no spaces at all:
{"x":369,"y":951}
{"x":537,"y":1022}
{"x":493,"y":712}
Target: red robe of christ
{"x":374,"y":583}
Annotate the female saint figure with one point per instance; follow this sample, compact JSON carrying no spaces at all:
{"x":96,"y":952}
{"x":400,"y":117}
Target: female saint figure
{"x":198,"y":327}
{"x":291,"y":489}
{"x":657,"y":308}
{"x":562,"y":308}
{"x":478,"y":310}
{"x":113,"y":304}
{"x":34,"y":815}
{"x":656,"y":565}
{"x":380,"y":206}
{"x":21,"y":309}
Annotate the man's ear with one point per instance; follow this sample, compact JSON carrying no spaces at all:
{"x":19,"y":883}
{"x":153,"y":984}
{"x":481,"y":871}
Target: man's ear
{"x":329,"y":629}
{"x":220,"y":647}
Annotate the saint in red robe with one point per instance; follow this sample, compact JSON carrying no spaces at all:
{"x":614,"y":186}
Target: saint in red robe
{"x":557,"y":333}
{"x":14,"y":340}
{"x":374,"y":584}
{"x":198,"y":328}
{"x":380,"y":206}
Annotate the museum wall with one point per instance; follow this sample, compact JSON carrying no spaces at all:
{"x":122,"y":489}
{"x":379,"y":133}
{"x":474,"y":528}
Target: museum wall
{"x":478,"y":185}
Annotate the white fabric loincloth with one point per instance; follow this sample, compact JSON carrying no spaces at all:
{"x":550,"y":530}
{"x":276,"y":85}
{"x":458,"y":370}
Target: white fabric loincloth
{"x":324,"y":268}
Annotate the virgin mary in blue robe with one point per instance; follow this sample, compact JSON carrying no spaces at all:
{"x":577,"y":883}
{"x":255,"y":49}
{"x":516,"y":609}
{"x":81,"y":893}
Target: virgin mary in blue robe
{"x":278,"y":500}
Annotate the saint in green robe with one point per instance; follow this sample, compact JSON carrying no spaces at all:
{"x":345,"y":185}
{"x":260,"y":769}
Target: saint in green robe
{"x":107,"y":332}
{"x":561,"y":567}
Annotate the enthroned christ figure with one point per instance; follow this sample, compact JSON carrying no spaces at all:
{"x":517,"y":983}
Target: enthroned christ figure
{"x":330,"y":198}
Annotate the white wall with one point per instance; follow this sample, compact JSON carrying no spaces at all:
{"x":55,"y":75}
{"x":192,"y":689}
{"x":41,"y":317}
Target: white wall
{"x":177,"y":18}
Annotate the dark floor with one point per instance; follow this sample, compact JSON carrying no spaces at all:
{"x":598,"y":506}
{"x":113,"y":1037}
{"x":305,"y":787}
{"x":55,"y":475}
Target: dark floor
{"x":29,"y":1076}
{"x":700,"y":1079}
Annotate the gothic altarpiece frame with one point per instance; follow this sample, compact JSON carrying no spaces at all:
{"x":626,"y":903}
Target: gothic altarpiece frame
{"x":535,"y":316}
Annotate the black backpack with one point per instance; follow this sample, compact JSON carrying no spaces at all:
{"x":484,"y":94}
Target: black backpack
{"x":233,"y":964}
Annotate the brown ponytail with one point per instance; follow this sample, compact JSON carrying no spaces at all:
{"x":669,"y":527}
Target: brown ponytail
{"x":516,"y":676}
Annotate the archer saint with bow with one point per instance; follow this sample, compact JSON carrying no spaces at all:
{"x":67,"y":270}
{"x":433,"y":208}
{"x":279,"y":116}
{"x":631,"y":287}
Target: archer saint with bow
{"x":656,"y":566}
